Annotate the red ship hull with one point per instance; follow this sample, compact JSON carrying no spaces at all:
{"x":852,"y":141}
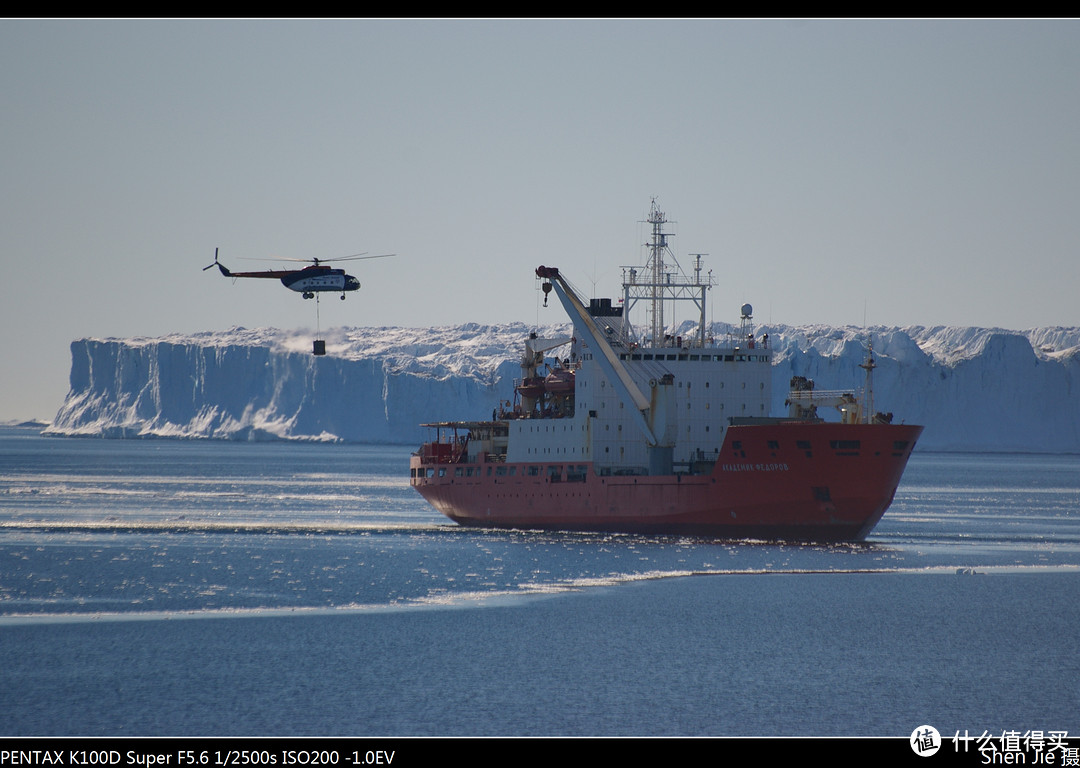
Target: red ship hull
{"x":777,"y":481}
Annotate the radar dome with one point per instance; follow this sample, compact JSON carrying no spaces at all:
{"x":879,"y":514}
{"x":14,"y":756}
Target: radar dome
{"x":747,"y":310}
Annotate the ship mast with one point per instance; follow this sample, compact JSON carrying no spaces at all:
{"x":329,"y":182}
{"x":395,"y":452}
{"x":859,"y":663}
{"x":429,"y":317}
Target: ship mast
{"x":868,"y":394}
{"x":655,"y":283}
{"x":655,"y":272}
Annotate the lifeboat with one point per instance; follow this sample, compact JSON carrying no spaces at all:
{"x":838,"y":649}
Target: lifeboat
{"x":532,"y":387}
{"x":560,"y":382}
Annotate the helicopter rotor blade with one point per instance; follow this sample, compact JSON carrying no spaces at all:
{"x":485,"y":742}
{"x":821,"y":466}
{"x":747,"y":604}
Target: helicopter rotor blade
{"x":215,"y":261}
{"x":360,"y":257}
{"x":282,"y":258}
{"x":316,"y":260}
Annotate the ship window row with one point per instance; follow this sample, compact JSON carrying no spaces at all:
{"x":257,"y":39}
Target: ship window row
{"x":721,"y":384}
{"x":708,"y":407}
{"x":732,"y":358}
{"x":836,"y":445}
{"x":571,"y":449}
{"x":708,"y":384}
{"x":804,"y":445}
{"x":553,"y":472}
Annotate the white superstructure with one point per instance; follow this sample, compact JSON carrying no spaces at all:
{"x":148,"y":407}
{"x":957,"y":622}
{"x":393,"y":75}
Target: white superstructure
{"x":639,"y":404}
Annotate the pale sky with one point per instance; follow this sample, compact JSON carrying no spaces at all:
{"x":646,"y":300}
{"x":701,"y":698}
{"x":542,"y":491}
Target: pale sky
{"x":841,"y":172}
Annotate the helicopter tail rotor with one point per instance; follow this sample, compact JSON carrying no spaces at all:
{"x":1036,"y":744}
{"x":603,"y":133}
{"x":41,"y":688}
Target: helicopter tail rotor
{"x":218,"y":264}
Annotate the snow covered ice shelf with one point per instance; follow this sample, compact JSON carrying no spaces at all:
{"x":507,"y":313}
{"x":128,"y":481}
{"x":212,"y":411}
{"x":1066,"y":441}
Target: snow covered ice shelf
{"x":975,"y":389}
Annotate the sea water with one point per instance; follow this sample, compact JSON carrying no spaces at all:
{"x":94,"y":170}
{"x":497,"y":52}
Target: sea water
{"x":159,"y":587}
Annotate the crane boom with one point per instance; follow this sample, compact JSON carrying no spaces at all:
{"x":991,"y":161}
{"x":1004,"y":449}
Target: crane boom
{"x":606,"y":357}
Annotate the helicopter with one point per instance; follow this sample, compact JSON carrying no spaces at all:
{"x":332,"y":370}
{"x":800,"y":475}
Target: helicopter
{"x":310,"y":280}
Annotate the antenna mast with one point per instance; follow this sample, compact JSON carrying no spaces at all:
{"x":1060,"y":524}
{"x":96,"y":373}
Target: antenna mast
{"x":654,"y":283}
{"x":869,"y":365}
{"x":655,"y":270}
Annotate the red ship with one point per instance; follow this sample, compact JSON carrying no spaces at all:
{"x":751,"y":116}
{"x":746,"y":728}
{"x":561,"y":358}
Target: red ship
{"x":665,"y":434}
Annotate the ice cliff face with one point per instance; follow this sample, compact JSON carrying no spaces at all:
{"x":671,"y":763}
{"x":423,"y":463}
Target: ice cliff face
{"x":974,"y":389}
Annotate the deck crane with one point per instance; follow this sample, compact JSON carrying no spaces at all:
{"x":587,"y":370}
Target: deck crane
{"x":653,"y":414}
